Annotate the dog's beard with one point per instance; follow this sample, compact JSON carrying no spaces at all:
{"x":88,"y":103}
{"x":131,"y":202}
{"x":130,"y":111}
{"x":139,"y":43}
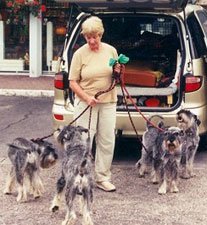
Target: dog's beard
{"x":47,"y":161}
{"x":171,"y":146}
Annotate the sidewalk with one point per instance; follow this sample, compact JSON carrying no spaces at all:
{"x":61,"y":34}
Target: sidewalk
{"x":21,"y":85}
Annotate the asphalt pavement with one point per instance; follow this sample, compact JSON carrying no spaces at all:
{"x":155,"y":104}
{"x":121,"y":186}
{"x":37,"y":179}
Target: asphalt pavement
{"x":136,"y":200}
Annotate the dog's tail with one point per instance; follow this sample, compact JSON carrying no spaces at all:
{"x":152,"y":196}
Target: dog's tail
{"x":160,"y":124}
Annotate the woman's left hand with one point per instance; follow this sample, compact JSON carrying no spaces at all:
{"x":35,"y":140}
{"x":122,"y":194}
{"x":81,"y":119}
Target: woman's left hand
{"x":117,"y":68}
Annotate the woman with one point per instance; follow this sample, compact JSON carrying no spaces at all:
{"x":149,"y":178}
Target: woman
{"x":90,"y":73}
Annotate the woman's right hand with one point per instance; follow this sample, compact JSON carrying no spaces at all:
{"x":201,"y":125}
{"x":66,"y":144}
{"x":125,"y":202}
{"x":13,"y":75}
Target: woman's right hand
{"x":92,"y":101}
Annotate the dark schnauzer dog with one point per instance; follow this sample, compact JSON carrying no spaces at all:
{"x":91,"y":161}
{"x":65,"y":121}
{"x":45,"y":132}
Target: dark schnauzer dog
{"x":27,"y":157}
{"x":76,"y":178}
{"x":189,"y":123}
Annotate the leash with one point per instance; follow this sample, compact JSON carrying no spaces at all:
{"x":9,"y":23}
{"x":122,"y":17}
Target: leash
{"x":116,"y":79}
{"x":123,"y":87}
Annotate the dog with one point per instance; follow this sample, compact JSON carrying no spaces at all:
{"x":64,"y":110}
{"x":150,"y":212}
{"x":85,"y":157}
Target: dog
{"x":76,"y":177}
{"x":189,"y":123}
{"x":27,"y":157}
{"x":161,"y":152}
{"x":166,"y":159}
{"x":149,"y":139}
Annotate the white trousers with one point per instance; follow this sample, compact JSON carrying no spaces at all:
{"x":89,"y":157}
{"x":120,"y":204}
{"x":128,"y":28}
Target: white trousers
{"x":102,"y":125}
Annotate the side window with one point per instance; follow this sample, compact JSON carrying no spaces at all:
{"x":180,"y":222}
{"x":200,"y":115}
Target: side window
{"x":202,"y":15}
{"x":197,"y":36}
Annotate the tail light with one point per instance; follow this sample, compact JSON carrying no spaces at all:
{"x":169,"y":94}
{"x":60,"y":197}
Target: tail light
{"x":192,"y":83}
{"x":61,"y":80}
{"x":58,"y":117}
{"x":58,"y":82}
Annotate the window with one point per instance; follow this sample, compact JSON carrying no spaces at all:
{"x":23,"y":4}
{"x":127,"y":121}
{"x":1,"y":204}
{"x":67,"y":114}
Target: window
{"x":197,"y":36}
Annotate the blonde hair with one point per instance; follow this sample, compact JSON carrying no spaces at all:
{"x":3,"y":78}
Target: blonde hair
{"x":92,"y":25}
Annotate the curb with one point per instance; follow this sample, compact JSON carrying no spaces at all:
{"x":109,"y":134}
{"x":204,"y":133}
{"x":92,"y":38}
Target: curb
{"x":30,"y":93}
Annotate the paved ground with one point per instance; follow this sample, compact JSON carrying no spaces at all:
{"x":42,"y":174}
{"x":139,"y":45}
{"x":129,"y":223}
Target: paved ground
{"x":21,"y":85}
{"x":136,"y":201}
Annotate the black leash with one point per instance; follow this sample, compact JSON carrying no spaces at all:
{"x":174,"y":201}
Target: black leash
{"x":115,"y":80}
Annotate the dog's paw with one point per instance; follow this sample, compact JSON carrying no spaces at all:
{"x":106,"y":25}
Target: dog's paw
{"x":185,"y":176}
{"x":36,"y":196}
{"x":20,"y":199}
{"x":138,"y":165}
{"x":155,"y":180}
{"x":141,"y":175}
{"x":162,"y":191}
{"x":174,"y":189}
{"x":7,"y":191}
{"x":88,"y":221}
{"x":191,"y":174}
{"x":155,"y":177}
{"x":70,"y":220}
{"x":163,"y":188}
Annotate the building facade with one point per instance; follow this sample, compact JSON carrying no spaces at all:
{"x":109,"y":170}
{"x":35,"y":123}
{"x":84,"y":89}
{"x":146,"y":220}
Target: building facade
{"x":32,"y":46}
{"x":29,"y":44}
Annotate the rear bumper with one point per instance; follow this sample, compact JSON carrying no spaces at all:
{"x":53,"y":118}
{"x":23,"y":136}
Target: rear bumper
{"x":123,"y":123}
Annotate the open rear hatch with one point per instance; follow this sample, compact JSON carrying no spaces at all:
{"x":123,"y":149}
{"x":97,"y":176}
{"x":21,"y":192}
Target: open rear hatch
{"x":153,"y":73}
{"x":141,"y":5}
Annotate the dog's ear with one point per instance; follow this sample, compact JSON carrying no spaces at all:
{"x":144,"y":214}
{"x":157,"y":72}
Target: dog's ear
{"x":161,"y":124}
{"x":82,"y":129}
{"x":198,"y":122}
{"x":13,"y":146}
{"x":182,"y":133}
{"x":19,"y":148}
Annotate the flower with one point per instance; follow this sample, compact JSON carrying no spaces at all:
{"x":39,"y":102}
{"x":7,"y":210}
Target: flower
{"x":43,"y":8}
{"x":9,"y":4}
{"x":20,"y":10}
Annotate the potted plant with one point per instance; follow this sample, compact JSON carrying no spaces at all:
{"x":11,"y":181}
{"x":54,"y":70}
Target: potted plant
{"x":20,"y":10}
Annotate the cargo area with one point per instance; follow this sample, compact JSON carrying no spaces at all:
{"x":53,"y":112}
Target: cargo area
{"x":153,"y":45}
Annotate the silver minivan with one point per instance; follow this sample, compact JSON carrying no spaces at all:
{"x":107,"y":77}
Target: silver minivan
{"x":166,"y":42}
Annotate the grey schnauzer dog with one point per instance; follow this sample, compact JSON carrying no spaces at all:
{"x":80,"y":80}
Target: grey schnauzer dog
{"x":76,"y":178}
{"x":162,"y":154}
{"x":149,"y":139}
{"x":189,"y":123}
{"x":166,"y":159}
{"x":27,"y":157}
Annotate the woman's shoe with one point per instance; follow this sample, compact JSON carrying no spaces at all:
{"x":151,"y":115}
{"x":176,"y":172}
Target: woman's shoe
{"x":106,"y":186}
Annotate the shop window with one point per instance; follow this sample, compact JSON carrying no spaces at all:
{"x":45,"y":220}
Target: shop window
{"x":15,"y":41}
{"x":57,"y":14}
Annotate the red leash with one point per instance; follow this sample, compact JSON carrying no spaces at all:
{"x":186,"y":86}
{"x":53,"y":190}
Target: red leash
{"x":115,"y":80}
{"x":123,"y":87}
